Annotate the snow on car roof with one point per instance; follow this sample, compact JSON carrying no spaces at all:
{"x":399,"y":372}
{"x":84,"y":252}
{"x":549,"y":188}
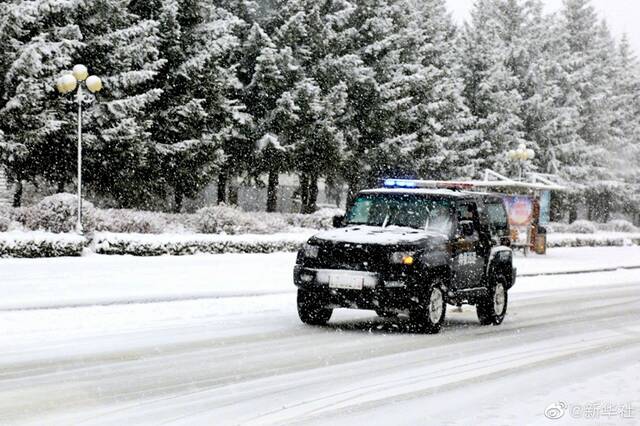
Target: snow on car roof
{"x":421,"y":191}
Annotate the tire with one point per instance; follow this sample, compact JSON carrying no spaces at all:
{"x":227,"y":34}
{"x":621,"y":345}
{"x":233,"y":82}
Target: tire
{"x":429,"y":315}
{"x":493,"y":308}
{"x":311,"y":310}
{"x":386,"y":314}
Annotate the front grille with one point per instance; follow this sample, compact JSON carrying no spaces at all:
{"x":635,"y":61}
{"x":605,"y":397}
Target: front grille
{"x":357,"y":257}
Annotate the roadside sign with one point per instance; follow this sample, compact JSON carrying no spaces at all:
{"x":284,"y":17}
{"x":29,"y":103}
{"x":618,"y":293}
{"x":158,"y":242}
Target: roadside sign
{"x":520,"y":210}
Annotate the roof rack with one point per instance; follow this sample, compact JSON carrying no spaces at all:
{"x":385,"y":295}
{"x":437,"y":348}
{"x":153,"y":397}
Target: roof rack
{"x":539,"y":181}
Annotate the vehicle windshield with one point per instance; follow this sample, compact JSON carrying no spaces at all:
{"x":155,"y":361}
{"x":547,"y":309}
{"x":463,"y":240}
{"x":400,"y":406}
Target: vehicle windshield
{"x":414,"y":211}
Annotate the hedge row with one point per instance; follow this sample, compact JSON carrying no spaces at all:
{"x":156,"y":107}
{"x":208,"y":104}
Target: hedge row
{"x":37,"y":245}
{"x":590,"y":241}
{"x":142,"y":245}
{"x":57,"y":213}
{"x":588,"y":227}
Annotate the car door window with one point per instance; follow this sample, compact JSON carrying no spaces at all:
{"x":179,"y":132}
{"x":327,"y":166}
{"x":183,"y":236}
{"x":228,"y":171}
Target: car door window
{"x":467,"y":212}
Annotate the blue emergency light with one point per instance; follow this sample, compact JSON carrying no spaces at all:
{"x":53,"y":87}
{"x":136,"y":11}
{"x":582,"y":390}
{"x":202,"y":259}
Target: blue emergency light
{"x":400,"y":183}
{"x":441,"y":184}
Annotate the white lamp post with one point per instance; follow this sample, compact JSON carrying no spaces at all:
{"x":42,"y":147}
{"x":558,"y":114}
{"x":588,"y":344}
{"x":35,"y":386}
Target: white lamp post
{"x":521,"y":155}
{"x":66,"y":84}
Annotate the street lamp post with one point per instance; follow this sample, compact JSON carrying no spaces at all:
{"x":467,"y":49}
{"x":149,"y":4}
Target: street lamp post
{"x":521,"y":155}
{"x":66,"y":84}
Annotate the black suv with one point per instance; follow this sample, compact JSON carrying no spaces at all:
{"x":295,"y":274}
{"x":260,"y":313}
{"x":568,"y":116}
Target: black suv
{"x":410,"y":251}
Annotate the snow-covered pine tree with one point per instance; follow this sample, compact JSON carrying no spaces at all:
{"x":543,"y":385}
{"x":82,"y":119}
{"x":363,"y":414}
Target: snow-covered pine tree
{"x":548,"y":115}
{"x":308,"y":113}
{"x":48,"y":38}
{"x":360,"y":58}
{"x":267,"y":72}
{"x":589,"y":68}
{"x":431,"y":122}
{"x":120,"y":152}
{"x":199,"y":119}
{"x":487,"y":45}
{"x":625,"y":151}
{"x":626,"y":108}
{"x":38,"y":41}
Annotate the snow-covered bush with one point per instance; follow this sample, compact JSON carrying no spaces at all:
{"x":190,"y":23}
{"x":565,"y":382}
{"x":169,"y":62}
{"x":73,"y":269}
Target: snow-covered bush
{"x":232,"y":220}
{"x":57,"y":213}
{"x":557,"y":227}
{"x":587,"y":227}
{"x":178,"y":245}
{"x":618,"y":225}
{"x":582,"y":227}
{"x":221,"y":219}
{"x":40,"y":244}
{"x":322,"y":219}
{"x":596,"y":240}
{"x":142,"y":222}
{"x":270,"y":222}
{"x":5,"y":219}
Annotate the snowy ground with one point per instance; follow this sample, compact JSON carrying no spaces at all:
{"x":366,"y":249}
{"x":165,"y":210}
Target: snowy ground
{"x":96,"y":279}
{"x":237,"y":354}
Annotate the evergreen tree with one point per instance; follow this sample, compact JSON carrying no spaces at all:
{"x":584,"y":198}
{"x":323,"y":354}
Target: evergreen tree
{"x":487,"y":52}
{"x":39,"y":42}
{"x":625,"y":102}
{"x":424,"y":93}
{"x":307,"y":114}
{"x":49,"y":38}
{"x":119,"y":153}
{"x":198,"y":120}
{"x":363,"y":49}
{"x":267,"y":72}
{"x":588,"y":69}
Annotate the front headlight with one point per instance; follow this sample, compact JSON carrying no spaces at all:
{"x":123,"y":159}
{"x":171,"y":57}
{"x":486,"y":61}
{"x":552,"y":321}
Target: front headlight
{"x":403,"y":257}
{"x":310,"y":251}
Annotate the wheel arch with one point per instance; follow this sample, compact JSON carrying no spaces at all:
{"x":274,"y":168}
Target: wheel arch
{"x":501,"y":264}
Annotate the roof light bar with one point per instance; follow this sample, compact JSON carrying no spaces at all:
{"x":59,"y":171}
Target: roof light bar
{"x":414,"y":183}
{"x":468,"y":185}
{"x":400,"y":183}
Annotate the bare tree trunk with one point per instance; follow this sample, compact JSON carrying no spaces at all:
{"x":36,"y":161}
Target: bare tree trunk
{"x":313,"y":194}
{"x":233,"y":193}
{"x":17,"y":195}
{"x":308,"y":193}
{"x":272,"y":191}
{"x":573,"y":214}
{"x":178,"y":198}
{"x":222,"y":187}
{"x":304,"y":192}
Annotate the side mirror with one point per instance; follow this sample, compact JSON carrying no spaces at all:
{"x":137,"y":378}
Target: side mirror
{"x":465,"y":228}
{"x":505,"y":241}
{"x":338,"y":221}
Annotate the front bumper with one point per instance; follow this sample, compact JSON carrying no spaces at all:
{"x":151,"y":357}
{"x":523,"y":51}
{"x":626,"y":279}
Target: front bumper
{"x":378,"y":291}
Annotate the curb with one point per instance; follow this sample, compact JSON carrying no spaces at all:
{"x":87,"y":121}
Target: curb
{"x":583,"y":271}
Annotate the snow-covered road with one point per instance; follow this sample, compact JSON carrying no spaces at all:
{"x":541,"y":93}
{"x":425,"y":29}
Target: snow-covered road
{"x":248,"y":360}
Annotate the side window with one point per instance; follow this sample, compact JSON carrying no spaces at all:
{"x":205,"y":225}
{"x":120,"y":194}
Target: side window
{"x":468,"y":213}
{"x":360,"y":211}
{"x":498,"y":220}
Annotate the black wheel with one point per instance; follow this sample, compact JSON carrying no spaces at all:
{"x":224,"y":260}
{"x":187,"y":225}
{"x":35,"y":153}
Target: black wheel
{"x":428,"y":315}
{"x":311,"y":308}
{"x":493,"y":308}
{"x":386,"y":314}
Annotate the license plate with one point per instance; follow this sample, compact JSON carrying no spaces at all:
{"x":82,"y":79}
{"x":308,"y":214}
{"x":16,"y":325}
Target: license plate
{"x":346,"y":282}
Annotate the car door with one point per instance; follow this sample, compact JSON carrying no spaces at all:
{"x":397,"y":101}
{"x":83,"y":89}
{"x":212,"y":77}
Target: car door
{"x":467,"y":262}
